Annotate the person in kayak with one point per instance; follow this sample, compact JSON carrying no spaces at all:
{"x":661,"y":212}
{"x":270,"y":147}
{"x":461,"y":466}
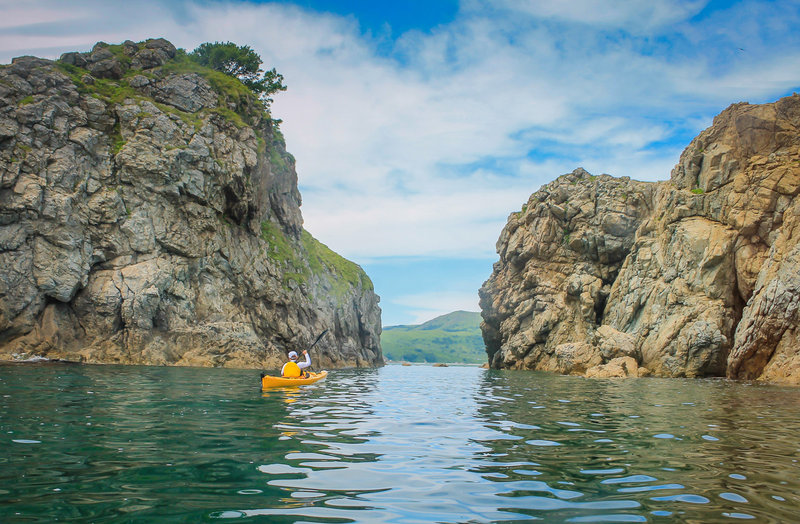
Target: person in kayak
{"x":293,"y":368}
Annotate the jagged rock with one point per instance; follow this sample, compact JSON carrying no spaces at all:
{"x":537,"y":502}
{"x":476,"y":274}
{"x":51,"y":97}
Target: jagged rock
{"x":575,"y":358}
{"x":620,"y":367}
{"x":189,"y":92}
{"x":614,"y":344}
{"x":139,"y":81}
{"x":156,"y":52}
{"x":710,"y":282}
{"x":559,"y":257}
{"x":102,"y":63}
{"x":142,"y":234}
{"x":74,"y":58}
{"x":8,"y":128}
{"x":768,"y":336}
{"x":674,"y":295}
{"x":130,"y":47}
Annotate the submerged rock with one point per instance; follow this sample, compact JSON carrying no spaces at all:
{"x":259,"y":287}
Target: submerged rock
{"x":698,"y":276}
{"x":152,"y":217}
{"x":620,"y":367}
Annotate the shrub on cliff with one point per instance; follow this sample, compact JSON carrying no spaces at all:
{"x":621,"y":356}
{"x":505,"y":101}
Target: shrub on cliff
{"x":243,"y":63}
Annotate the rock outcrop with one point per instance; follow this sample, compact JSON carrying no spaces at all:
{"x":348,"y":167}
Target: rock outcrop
{"x":702,"y":278}
{"x":149,"y":214}
{"x":559,"y":257}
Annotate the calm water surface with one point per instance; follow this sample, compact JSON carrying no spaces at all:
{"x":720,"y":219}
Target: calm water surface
{"x":398,"y":444}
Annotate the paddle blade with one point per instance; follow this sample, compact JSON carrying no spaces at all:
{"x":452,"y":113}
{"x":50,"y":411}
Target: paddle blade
{"x":319,"y":338}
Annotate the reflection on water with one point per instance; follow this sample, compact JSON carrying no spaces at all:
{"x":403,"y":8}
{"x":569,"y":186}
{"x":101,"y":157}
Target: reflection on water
{"x":399,"y":444}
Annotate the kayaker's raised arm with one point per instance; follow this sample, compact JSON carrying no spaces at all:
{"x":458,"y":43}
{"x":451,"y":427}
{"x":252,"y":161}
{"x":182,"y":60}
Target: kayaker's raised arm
{"x":307,"y":363}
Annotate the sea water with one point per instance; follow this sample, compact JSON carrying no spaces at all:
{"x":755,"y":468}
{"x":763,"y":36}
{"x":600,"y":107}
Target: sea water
{"x":396,"y":444}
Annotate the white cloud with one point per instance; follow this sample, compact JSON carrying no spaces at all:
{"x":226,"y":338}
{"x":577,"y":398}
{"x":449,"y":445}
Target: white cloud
{"x":446,"y":223}
{"x":640,"y":16}
{"x":17,"y":14}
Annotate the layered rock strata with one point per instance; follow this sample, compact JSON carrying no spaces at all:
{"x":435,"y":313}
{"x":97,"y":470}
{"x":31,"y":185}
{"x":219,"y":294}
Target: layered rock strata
{"x":704,"y":278}
{"x":149,"y":214}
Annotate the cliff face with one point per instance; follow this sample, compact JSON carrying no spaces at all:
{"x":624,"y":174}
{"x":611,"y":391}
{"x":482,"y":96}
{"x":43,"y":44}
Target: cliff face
{"x":704,"y":276}
{"x":149,"y":214}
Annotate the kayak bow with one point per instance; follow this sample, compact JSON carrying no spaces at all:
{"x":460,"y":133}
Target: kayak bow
{"x":268,"y":381}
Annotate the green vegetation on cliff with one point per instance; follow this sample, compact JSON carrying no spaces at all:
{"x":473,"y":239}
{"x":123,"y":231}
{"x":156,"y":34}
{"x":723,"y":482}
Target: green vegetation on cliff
{"x":312,"y":257}
{"x":455,"y":337}
{"x":243,"y":63}
{"x":347,"y":274}
{"x":239,"y":87}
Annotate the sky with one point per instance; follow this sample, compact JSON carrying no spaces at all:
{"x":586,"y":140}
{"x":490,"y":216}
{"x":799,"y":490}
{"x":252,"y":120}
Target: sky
{"x":419,"y":126}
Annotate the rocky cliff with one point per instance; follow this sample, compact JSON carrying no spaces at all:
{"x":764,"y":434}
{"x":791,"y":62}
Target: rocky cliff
{"x":697,"y":276}
{"x":149,"y":214}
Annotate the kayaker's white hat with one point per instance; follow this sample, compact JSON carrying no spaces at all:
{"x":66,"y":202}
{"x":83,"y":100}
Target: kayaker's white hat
{"x":292,"y":355}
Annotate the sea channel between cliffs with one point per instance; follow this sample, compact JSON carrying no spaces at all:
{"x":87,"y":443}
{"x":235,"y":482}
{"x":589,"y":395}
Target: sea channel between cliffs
{"x":149,"y":214}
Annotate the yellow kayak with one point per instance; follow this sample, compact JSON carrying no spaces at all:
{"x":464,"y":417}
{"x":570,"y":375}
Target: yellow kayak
{"x":277,"y":382}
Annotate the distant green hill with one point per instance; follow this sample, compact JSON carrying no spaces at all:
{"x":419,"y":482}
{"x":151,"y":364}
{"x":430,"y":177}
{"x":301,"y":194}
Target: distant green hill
{"x":455,"y":337}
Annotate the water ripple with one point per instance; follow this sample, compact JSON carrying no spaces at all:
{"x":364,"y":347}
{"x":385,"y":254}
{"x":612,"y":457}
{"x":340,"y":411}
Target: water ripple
{"x":399,"y":444}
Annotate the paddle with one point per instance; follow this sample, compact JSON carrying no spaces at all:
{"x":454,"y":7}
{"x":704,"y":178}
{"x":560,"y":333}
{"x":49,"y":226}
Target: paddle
{"x":315,"y":343}
{"x":318,"y":338}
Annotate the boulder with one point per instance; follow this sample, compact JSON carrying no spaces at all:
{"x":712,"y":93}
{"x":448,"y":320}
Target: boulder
{"x":188,"y":92}
{"x":620,"y":367}
{"x":156,"y":52}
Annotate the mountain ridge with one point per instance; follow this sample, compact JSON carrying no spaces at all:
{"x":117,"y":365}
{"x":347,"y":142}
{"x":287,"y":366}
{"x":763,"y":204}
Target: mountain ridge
{"x":451,"y":338}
